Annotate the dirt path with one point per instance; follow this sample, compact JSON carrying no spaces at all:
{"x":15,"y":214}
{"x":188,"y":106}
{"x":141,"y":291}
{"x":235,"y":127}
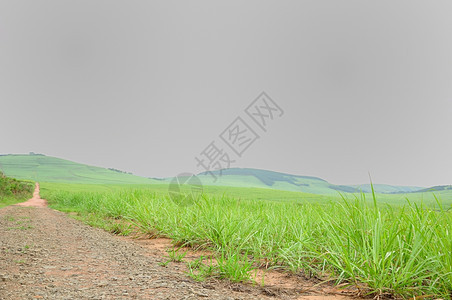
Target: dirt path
{"x":36,"y":201}
{"x":46,"y":255}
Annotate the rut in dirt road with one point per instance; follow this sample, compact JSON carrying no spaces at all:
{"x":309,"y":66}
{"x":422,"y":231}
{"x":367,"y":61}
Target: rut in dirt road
{"x":45,"y":254}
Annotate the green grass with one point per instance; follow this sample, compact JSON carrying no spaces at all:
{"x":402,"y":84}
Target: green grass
{"x":27,"y":227}
{"x":176,"y":255}
{"x":13,"y":191}
{"x":8,"y":200}
{"x":382,"y":244}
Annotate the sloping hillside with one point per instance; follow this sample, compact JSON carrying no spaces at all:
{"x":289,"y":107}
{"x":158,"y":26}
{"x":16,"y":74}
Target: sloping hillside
{"x":51,"y":169}
{"x":281,"y":181}
{"x":436,"y":189}
{"x":380,"y":188}
{"x":266,"y":179}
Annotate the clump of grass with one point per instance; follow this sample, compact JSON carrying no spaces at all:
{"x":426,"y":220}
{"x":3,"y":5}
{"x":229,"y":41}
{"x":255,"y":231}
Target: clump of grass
{"x":10,"y":218}
{"x":20,"y":261}
{"x":195,"y":264}
{"x":231,"y":266}
{"x":175,"y":255}
{"x":23,"y":227}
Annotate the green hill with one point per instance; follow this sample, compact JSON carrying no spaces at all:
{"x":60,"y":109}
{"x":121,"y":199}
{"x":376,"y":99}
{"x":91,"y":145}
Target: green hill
{"x":379,"y":188}
{"x":436,"y":189}
{"x":43,"y":168}
{"x":275,"y":180}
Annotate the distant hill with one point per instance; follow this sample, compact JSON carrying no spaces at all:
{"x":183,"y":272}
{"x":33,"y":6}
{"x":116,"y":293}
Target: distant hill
{"x":379,"y":188}
{"x":436,"y":189}
{"x":244,"y":177}
{"x":43,"y":168}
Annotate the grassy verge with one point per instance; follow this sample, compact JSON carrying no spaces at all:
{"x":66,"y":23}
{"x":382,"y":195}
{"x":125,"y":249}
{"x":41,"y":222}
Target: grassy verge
{"x":13,"y":191}
{"x":402,"y":250}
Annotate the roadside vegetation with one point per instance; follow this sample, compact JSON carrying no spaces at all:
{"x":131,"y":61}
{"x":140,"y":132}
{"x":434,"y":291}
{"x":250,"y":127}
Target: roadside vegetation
{"x":402,"y":250}
{"x":14,"y":191}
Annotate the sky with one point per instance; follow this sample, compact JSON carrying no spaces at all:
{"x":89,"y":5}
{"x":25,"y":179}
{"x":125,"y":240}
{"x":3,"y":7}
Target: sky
{"x":356,"y":87}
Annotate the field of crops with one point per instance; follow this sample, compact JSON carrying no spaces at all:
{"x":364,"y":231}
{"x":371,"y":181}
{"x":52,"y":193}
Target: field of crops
{"x":402,"y":250}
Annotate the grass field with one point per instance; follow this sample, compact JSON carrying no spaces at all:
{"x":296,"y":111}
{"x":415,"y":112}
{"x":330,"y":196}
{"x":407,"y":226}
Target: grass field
{"x":401,"y":248}
{"x":427,"y":198}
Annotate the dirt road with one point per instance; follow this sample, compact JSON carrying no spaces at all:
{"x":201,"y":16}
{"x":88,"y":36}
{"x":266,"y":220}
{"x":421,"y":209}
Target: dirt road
{"x":44,"y":254}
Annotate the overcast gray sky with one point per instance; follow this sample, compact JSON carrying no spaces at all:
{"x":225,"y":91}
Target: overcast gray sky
{"x":145,"y":86}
